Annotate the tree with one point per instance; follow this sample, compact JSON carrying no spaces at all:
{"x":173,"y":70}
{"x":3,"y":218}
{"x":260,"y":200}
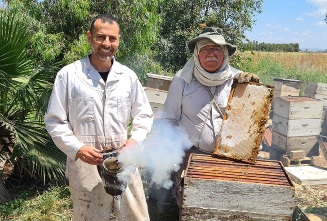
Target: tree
{"x":24,"y":92}
{"x":181,"y":19}
{"x":53,"y":26}
{"x":59,"y":33}
{"x":139,"y":22}
{"x":39,"y":34}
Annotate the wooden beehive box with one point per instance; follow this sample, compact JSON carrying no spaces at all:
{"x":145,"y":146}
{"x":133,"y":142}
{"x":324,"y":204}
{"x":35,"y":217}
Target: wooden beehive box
{"x":319,"y":91}
{"x":156,"y":89}
{"x":221,"y":189}
{"x":297,"y":116}
{"x":316,"y":88}
{"x":288,"y":144}
{"x":324,"y":124}
{"x":159,"y":82}
{"x":287,"y":87}
{"x":294,"y":108}
{"x":156,"y":96}
{"x":244,"y":121}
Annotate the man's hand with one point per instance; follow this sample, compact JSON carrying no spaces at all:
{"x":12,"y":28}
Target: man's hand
{"x":89,"y":155}
{"x":245,"y":77}
{"x":128,"y":144}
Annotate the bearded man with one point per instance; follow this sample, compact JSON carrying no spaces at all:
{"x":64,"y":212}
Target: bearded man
{"x":91,"y":104}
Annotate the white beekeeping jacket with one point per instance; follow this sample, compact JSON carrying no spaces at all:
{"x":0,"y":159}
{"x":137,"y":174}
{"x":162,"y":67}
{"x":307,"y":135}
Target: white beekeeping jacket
{"x":189,"y":105}
{"x":85,"y":110}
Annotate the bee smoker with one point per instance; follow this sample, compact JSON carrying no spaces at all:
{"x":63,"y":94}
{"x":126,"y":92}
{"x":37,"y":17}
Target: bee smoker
{"x":109,"y":171}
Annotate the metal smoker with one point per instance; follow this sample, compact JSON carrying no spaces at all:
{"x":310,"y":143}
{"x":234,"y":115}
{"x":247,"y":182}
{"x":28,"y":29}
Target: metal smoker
{"x":109,"y":171}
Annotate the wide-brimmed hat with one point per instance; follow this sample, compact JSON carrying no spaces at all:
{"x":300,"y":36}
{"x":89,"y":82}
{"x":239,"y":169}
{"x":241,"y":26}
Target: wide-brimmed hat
{"x":213,"y":34}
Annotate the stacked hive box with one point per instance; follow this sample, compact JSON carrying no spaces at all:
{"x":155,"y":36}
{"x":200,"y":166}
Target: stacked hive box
{"x":296,"y":125}
{"x":156,"y":90}
{"x":319,"y":91}
{"x":287,"y":87}
{"x":220,"y":189}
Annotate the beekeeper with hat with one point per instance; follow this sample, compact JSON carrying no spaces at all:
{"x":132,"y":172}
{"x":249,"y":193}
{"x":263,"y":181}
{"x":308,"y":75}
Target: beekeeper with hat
{"x":199,"y":92}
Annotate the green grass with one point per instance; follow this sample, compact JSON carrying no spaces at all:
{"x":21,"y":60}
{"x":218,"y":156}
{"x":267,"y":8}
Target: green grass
{"x":52,"y":204}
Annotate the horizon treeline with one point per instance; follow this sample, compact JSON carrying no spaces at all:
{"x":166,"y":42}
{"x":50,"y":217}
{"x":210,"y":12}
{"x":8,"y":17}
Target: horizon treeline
{"x":271,"y":47}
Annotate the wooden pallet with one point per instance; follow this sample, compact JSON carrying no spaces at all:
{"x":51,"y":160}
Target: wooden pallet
{"x":286,"y":161}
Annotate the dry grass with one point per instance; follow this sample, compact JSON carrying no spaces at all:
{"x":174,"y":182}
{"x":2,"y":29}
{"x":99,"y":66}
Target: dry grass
{"x":287,"y":65}
{"x":303,"y":61}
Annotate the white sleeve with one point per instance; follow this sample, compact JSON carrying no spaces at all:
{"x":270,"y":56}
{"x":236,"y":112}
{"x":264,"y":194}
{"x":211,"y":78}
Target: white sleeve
{"x":141,"y":113}
{"x":56,"y":119}
{"x":172,"y":110}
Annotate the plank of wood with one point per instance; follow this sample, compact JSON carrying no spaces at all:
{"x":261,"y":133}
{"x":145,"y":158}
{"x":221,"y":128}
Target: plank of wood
{"x":307,"y":175}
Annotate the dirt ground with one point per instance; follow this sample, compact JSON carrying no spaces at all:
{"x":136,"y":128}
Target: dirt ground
{"x":312,"y":200}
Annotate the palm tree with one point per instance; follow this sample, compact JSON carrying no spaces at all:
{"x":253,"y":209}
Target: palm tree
{"x":24,"y":92}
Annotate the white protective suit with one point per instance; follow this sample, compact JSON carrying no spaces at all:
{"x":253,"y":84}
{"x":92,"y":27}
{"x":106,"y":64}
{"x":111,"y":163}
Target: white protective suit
{"x":188,"y":104}
{"x":85,"y":110}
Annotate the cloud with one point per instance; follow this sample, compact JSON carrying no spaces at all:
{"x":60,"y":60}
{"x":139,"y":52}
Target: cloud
{"x":320,"y":24}
{"x":321,"y":5}
{"x":304,"y":33}
{"x":299,"y":19}
{"x":272,"y":25}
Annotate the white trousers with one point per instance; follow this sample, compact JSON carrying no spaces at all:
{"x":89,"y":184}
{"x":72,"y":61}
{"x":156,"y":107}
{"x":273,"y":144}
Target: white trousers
{"x":97,"y":205}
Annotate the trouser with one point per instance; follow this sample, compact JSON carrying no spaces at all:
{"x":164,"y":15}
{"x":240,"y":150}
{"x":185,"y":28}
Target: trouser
{"x":97,"y":205}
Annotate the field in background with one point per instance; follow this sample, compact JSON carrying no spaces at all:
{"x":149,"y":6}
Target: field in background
{"x":53,"y":204}
{"x":287,"y":65}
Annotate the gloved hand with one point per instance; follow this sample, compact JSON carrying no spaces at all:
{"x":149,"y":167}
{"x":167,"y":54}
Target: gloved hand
{"x":245,"y":77}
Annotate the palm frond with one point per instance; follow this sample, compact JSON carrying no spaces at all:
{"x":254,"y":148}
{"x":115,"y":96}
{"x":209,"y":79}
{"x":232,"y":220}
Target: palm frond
{"x":28,"y":134}
{"x":46,"y":161}
{"x":13,"y":55}
{"x":36,"y":150}
{"x":24,"y":93}
{"x":5,"y":195}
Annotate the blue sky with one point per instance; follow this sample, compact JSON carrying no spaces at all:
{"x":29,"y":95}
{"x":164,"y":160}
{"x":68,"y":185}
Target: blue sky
{"x":292,"y":21}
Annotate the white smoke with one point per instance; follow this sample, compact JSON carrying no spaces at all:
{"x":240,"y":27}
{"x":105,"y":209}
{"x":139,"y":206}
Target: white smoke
{"x":160,"y":154}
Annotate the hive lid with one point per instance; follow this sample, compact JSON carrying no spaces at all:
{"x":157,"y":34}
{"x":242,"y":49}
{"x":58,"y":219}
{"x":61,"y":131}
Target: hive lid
{"x":244,"y":121}
{"x":287,"y":80}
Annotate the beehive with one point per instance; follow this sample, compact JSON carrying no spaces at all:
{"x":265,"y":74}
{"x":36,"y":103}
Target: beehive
{"x":156,"y":98}
{"x":316,"y":88}
{"x":221,"y":189}
{"x":319,"y":91}
{"x":296,"y":123}
{"x":244,"y":121}
{"x":287,"y":87}
{"x":324,"y":124}
{"x":286,"y":144}
{"x":159,"y":82}
{"x":156,"y":89}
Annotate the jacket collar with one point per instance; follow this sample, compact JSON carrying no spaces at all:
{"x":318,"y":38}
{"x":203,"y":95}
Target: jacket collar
{"x":114,"y":73}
